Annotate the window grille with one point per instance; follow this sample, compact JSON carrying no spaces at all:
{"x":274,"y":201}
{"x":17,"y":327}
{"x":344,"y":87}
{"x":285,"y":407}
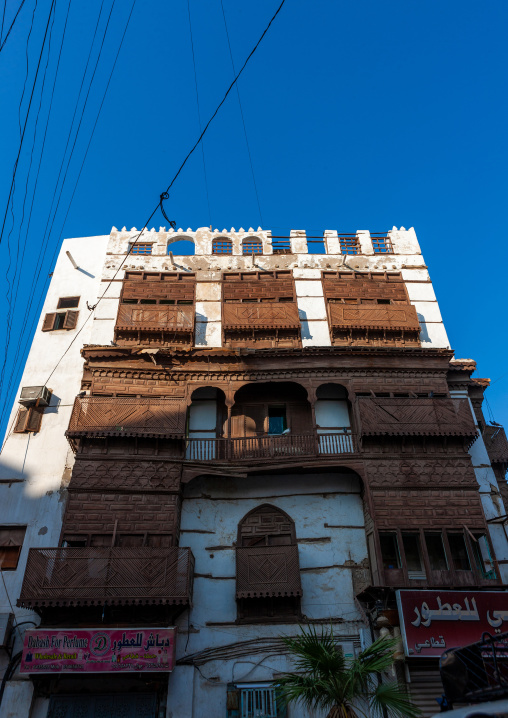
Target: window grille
{"x":252,"y":247}
{"x":222,"y":246}
{"x":141,"y":249}
{"x":348,"y":245}
{"x":258,"y":702}
{"x":382,"y":245}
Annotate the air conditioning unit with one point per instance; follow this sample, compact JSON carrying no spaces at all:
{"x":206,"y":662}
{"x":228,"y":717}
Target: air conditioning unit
{"x":6,"y":624}
{"x":31,"y":394}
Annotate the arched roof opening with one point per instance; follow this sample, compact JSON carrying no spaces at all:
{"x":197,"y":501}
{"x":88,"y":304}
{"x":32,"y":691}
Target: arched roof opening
{"x":181,"y":245}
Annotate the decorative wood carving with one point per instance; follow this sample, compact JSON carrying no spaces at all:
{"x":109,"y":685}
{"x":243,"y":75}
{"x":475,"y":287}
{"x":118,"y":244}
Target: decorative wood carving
{"x":267,"y":571}
{"x":348,"y":285}
{"x":496,"y":444}
{"x":421,"y":473}
{"x":155,"y":318}
{"x":370,"y":316}
{"x":133,"y":476}
{"x":126,"y":416}
{"x":415,"y":417}
{"x":100,"y":576}
{"x":265,"y":315}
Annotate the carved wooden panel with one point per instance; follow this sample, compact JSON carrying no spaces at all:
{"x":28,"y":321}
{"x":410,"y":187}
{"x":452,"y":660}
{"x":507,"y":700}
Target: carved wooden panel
{"x":429,"y":509}
{"x":416,"y":417}
{"x":343,"y":285}
{"x":67,"y":576}
{"x":409,"y":472}
{"x":267,"y":571}
{"x":374,"y":317}
{"x":263,"y":521}
{"x":136,"y":476}
{"x":265,"y":315}
{"x":126,"y":416}
{"x":155,"y":318}
{"x":257,"y":285}
{"x":156,"y":285}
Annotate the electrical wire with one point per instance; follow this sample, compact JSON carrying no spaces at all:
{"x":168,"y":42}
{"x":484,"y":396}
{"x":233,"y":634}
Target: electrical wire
{"x":36,"y":315}
{"x":12,"y":24}
{"x":242,"y":116}
{"x":3,"y":20}
{"x":15,"y":167}
{"x":199,"y":114}
{"x":175,"y":177}
{"x":19,"y":264}
{"x":20,"y":338}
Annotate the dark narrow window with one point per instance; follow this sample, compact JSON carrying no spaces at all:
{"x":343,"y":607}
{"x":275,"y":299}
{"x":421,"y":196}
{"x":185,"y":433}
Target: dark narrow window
{"x":11,"y":542}
{"x":412,"y":550}
{"x":277,"y":419}
{"x":436,"y":552}
{"x":67,"y":303}
{"x":460,"y":558}
{"x":390,"y":550}
{"x":59,"y":321}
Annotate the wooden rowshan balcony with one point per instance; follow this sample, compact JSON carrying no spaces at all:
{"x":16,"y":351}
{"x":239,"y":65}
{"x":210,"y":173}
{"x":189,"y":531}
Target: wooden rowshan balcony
{"x":113,"y":576}
{"x":267,"y":571}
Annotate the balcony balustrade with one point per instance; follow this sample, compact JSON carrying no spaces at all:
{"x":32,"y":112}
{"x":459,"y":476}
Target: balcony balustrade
{"x":98,"y":576}
{"x":286,"y":446}
{"x":267,"y":571}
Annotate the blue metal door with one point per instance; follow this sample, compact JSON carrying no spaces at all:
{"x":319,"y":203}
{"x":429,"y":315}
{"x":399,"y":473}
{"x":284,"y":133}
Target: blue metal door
{"x":119,"y":705}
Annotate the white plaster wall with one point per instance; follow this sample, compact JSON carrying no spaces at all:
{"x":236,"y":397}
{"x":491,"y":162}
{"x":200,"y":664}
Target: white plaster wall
{"x":211,"y":511}
{"x":17,"y":699}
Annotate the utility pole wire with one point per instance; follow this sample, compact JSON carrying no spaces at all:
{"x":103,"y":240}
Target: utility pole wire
{"x":170,"y":184}
{"x":12,"y":23}
{"x":26,"y":121}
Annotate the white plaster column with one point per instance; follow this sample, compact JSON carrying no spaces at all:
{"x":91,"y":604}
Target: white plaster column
{"x":365,"y":242}
{"x":298,"y":239}
{"x":331,"y":239}
{"x":208,"y":322}
{"x":311,"y":307}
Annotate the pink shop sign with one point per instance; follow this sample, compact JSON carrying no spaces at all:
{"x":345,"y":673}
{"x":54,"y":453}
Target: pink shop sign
{"x":98,"y":650}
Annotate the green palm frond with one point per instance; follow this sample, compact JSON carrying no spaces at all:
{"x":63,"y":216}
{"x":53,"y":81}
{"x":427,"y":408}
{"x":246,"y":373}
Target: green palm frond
{"x":315,"y":652}
{"x":325,"y":680}
{"x":396,"y":701}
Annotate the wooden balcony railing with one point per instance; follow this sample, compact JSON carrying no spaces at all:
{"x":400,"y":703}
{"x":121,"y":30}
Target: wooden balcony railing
{"x":158,"y":318}
{"x":267,"y":571}
{"x":286,"y":446}
{"x":98,"y":576}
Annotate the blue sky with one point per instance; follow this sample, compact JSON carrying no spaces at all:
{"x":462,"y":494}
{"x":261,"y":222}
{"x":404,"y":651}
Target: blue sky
{"x":360,"y":115}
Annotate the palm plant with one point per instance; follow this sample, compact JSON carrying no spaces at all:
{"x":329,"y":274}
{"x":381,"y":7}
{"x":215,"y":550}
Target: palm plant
{"x":326,"y":680}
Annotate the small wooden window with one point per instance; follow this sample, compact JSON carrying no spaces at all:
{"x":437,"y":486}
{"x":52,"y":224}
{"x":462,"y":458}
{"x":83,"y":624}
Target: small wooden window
{"x":349,"y":245}
{"x":382,"y":245}
{"x":11,"y":542}
{"x":252,"y":246}
{"x":60,"y":320}
{"x":67,"y":303}
{"x":141,"y":249}
{"x":29,"y":420}
{"x":222,"y":246}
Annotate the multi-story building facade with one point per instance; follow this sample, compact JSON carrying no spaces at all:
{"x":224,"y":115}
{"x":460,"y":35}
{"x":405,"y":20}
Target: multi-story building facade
{"x":212,"y":450}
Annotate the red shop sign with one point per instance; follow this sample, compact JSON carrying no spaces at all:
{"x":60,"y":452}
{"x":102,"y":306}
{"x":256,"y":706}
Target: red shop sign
{"x":433,"y":621}
{"x":98,"y":650}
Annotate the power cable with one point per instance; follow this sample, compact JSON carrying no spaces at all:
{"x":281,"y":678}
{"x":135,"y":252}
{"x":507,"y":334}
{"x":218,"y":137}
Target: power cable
{"x":199,"y":114}
{"x":12,"y":24}
{"x":36,"y":315}
{"x":26,"y":120}
{"x":171,"y":183}
{"x":35,"y":186}
{"x":47,"y":235}
{"x":3,"y":20}
{"x":19,"y":265}
{"x":242,"y":116}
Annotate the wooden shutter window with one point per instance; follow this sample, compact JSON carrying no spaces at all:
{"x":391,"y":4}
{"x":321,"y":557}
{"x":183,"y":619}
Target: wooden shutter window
{"x":29,"y":420}
{"x":71,"y":319}
{"x":11,"y":541}
{"x":49,"y":320}
{"x":34,"y":418}
{"x":21,"y":421}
